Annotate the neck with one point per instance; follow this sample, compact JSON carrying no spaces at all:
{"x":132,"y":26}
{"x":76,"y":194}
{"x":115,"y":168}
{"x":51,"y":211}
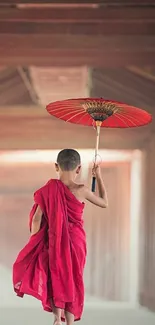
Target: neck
{"x":67,"y":177}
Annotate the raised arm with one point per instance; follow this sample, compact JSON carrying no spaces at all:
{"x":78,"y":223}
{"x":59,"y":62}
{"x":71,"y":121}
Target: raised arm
{"x":36,"y":221}
{"x":101,"y":200}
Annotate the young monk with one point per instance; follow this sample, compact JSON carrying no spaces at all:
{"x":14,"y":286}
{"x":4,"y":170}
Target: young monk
{"x":50,"y":267}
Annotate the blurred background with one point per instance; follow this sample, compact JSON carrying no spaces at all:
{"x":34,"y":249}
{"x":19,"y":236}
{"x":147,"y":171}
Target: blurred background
{"x":54,"y":50}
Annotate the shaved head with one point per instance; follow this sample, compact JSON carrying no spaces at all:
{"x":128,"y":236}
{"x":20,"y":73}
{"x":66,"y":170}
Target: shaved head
{"x":68,"y":159}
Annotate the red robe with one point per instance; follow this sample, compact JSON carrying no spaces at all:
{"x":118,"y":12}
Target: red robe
{"x":51,"y":265}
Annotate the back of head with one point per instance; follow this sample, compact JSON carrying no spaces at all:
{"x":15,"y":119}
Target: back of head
{"x":68,"y":159}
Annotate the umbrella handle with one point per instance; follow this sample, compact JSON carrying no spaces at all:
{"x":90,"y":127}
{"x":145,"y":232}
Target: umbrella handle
{"x":98,"y":127}
{"x":93,"y":184}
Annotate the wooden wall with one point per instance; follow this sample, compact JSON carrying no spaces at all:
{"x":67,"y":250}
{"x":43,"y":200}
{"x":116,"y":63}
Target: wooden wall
{"x":108,"y":235}
{"x":147,"y":230}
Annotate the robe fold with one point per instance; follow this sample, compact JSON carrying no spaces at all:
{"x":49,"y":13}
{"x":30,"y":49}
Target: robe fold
{"x":51,"y":265}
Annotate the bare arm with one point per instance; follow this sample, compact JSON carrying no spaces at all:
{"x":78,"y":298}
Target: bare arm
{"x":101,"y":200}
{"x":36,"y":221}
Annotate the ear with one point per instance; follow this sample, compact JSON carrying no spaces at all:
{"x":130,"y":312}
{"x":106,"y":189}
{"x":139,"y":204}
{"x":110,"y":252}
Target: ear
{"x":78,"y":170}
{"x":57,"y":167}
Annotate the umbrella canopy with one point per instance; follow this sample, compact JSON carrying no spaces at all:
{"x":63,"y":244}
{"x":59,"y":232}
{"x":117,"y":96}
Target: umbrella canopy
{"x":88,"y":111}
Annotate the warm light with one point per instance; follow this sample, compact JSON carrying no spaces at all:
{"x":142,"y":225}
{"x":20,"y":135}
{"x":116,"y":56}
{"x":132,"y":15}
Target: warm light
{"x":47,"y":156}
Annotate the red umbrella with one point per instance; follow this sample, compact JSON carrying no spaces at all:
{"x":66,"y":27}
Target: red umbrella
{"x":99,"y":112}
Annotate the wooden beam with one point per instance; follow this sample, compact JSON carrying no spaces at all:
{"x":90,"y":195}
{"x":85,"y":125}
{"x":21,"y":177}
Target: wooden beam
{"x":77,"y":15}
{"x":45,"y":50}
{"x":102,"y":2}
{"x":23,"y":111}
{"x":104,"y":28}
{"x":96,"y":58}
{"x":102,"y":21}
{"x":41,"y":42}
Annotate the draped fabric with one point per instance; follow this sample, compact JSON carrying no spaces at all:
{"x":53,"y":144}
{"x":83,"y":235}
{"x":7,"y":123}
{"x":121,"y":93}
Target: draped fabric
{"x":51,"y":265}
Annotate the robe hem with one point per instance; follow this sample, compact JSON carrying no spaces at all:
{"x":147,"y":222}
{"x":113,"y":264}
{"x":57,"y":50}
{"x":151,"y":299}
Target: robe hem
{"x":37,"y":296}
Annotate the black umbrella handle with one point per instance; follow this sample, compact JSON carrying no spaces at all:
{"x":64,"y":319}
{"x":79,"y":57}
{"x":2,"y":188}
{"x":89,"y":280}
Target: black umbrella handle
{"x":93,"y":184}
{"x":98,"y":125}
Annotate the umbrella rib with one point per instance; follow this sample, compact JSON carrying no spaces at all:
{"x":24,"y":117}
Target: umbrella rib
{"x":129,"y":114}
{"x":62,"y":108}
{"x":134,"y":110}
{"x":64,"y":115}
{"x":133,"y":117}
{"x":118,"y":116}
{"x":83,"y":117}
{"x":67,"y":112}
{"x":113,"y":117}
{"x":74,"y":116}
{"x":127,"y":118}
{"x":130,"y":120}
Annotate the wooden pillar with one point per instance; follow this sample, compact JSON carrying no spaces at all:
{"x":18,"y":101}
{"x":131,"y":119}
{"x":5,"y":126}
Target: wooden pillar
{"x":147,"y":262}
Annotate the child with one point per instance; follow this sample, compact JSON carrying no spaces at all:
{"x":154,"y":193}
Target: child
{"x":50,"y":267}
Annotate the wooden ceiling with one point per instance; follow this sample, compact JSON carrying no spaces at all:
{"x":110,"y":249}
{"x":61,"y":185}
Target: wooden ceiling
{"x":53,"y":33}
{"x":59,"y":83}
{"x":13,"y":88}
{"x":42,"y":43}
{"x":30,"y":127}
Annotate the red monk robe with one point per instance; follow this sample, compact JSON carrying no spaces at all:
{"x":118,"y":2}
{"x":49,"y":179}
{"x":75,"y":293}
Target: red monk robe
{"x":51,"y":265}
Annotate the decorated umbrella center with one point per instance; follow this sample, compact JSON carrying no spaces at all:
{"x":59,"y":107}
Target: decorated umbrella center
{"x":100,"y":111}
